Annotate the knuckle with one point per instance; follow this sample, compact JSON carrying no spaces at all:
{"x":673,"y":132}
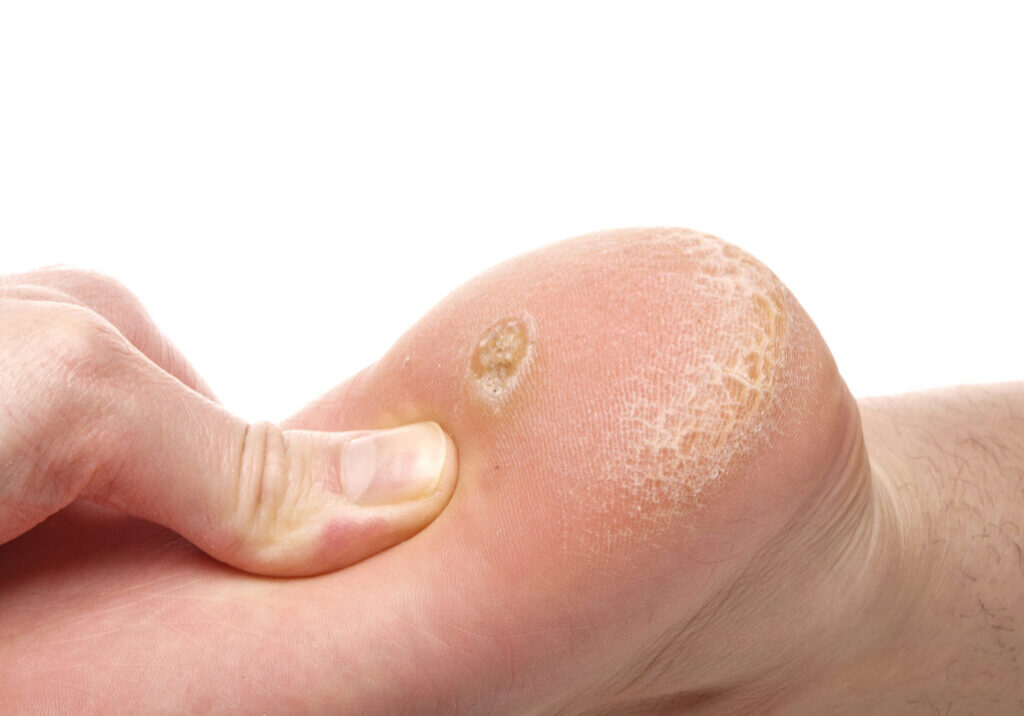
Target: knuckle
{"x":27,"y":291}
{"x":80,"y":358}
{"x":59,"y":428}
{"x":78,"y":343}
{"x":270,"y":486}
{"x":78,"y":281}
{"x":116,"y":300}
{"x":112,"y":301}
{"x":99,"y":291}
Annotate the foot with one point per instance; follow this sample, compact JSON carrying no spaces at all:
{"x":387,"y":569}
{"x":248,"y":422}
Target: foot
{"x":665,"y":505}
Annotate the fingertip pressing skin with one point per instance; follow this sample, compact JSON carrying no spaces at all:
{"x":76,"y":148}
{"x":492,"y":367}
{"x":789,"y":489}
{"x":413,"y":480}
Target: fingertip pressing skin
{"x":401,"y":464}
{"x":324,"y":501}
{"x":353,"y":536}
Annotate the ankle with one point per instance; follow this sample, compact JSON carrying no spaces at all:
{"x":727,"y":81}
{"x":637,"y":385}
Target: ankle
{"x":939,"y":623}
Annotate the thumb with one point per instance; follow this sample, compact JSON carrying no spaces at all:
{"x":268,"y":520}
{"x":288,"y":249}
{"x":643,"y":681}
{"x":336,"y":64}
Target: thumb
{"x":266,"y":500}
{"x":273,"y":501}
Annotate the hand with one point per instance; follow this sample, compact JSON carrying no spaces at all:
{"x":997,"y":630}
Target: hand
{"x":99,"y":406}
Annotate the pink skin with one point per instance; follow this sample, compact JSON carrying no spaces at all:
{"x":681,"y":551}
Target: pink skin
{"x":97,"y":406}
{"x":596,"y":557}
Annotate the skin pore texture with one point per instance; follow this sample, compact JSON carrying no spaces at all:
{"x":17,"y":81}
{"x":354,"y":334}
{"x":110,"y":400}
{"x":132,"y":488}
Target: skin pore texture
{"x":668,"y":503}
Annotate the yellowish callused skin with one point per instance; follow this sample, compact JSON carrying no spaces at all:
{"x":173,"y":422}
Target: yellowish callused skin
{"x":501,"y":356}
{"x":721,"y":394}
{"x":718,"y":385}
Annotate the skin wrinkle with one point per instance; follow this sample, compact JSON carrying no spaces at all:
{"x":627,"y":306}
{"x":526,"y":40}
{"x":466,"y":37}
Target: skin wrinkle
{"x":703,"y":394}
{"x":952,"y":650}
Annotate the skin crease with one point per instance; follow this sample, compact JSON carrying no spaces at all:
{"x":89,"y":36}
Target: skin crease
{"x":669,"y":509}
{"x":90,"y":414}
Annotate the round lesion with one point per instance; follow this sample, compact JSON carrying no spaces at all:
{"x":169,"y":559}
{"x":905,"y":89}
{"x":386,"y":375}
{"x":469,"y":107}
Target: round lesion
{"x":499,"y":356}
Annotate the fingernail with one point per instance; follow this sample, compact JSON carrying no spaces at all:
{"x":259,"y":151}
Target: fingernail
{"x":394,"y":465}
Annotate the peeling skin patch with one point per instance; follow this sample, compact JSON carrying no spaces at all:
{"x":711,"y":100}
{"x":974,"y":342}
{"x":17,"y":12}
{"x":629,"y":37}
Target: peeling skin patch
{"x":500,"y":357}
{"x":705,"y":381}
{"x":693,"y":408}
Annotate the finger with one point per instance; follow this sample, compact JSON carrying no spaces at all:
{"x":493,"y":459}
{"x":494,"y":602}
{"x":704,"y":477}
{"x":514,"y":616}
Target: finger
{"x":115,"y":302}
{"x":267,"y":500}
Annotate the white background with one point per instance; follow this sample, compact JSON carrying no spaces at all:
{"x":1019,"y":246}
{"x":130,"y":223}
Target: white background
{"x":289,"y":185}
